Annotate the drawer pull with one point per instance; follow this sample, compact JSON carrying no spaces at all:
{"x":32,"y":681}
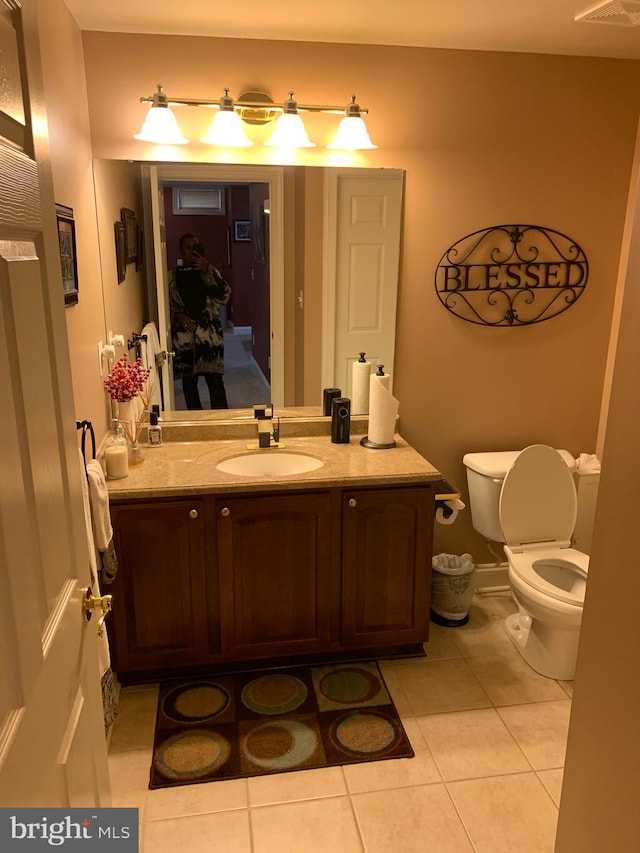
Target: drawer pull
{"x":225,"y":511}
{"x":353,"y":502}
{"x":193,"y":513}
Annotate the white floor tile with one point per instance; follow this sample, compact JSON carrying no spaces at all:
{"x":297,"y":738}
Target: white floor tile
{"x":472,"y":744}
{"x":480,"y":722}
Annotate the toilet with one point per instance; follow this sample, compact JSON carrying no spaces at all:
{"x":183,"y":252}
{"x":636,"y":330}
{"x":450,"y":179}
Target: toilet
{"x":528,"y":500}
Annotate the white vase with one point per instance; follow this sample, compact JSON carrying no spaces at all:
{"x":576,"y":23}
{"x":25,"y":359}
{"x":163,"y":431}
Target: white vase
{"x":127,"y":417}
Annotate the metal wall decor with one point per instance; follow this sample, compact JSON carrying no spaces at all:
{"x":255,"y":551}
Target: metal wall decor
{"x":511,"y":275}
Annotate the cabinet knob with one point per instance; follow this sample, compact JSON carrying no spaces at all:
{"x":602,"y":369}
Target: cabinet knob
{"x":225,"y":511}
{"x":353,"y":502}
{"x":193,"y":513}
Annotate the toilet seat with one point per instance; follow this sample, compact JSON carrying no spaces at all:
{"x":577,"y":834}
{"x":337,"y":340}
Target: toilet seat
{"x":538,"y":501}
{"x":560,"y":573}
{"x":538,"y":508}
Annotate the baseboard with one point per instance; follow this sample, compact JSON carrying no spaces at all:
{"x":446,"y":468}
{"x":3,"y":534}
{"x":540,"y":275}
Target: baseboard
{"x":491,"y":578}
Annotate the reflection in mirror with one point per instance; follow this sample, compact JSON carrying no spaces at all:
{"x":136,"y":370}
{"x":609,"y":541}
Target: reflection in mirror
{"x":272,"y":234}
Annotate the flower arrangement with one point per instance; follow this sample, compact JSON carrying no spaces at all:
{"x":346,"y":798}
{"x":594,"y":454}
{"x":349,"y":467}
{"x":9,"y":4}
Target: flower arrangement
{"x":126,"y":383}
{"x":126,"y":380}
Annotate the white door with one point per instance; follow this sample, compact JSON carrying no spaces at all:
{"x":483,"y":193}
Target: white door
{"x":158,"y":230}
{"x":52,"y":743}
{"x":360,"y":279}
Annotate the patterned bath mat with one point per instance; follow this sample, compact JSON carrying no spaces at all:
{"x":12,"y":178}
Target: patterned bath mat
{"x":233,"y":726}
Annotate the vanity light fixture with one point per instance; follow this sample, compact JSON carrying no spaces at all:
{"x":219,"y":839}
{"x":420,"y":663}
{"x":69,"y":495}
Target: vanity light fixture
{"x":226,"y":128}
{"x":289,"y":131}
{"x":160,"y":125}
{"x":253,"y":108}
{"x":352,"y":132}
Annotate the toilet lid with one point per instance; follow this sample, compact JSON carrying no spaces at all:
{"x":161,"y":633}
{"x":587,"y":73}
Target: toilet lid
{"x":538,"y":499}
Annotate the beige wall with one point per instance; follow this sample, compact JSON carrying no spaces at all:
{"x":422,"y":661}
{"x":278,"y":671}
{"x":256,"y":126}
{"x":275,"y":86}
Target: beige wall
{"x":485,"y":139}
{"x":71,"y":164}
{"x":118,"y":185}
{"x":70,"y":149}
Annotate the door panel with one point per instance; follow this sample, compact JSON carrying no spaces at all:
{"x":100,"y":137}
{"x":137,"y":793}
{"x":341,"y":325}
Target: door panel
{"x":362,"y":222}
{"x":386,"y":566}
{"x":275,"y":558}
{"x":52,"y":741}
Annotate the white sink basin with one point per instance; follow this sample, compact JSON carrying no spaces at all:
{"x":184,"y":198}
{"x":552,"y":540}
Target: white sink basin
{"x":272,"y":463}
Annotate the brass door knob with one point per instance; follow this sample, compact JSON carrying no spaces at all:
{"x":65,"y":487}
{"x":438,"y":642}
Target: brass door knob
{"x":225,"y":511}
{"x":353,"y":502}
{"x":92,"y":602}
{"x":193,"y":513}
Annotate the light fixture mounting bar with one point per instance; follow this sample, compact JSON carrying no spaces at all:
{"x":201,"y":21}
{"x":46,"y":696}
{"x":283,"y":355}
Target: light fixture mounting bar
{"x":254,"y":105}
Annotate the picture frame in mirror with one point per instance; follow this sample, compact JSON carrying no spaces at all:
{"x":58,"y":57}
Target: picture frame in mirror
{"x":242,"y":230}
{"x":130,"y":222}
{"x":121,"y":250}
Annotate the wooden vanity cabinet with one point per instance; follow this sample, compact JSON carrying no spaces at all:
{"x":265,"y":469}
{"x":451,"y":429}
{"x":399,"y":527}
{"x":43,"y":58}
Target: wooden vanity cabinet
{"x":159,"y":616}
{"x":279,"y":576}
{"x":386,"y":565}
{"x":217,"y":579}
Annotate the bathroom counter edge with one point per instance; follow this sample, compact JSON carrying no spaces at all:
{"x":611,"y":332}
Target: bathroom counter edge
{"x":188,"y":468}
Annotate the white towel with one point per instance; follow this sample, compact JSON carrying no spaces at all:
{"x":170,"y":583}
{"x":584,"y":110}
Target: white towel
{"x":103,"y":642}
{"x":149,"y":351}
{"x":108,"y":684}
{"x":588,"y":463}
{"x":99,"y":505}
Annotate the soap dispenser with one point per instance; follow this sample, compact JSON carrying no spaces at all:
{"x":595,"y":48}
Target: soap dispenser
{"x":154,"y":431}
{"x":116,"y":452}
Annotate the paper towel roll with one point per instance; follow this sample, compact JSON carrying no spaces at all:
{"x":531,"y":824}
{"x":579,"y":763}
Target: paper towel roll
{"x":383,"y":378}
{"x":361,"y":373}
{"x":383,"y":409}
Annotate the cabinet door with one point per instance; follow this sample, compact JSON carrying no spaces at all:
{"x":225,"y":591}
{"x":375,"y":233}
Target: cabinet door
{"x":386,"y":566}
{"x":275,"y":564}
{"x":158,"y":614}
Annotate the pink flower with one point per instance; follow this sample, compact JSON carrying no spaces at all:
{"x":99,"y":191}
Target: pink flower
{"x":126,"y":380}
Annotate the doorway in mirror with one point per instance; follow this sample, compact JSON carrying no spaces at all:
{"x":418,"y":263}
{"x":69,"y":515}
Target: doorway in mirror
{"x":244,"y":382}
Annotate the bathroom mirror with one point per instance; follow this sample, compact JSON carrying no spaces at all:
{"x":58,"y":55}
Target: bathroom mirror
{"x":294,"y":322}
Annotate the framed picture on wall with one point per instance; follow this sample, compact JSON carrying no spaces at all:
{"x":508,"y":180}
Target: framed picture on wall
{"x":121,"y":250}
{"x":67,"y":243}
{"x":242,"y":230}
{"x":128,"y":218}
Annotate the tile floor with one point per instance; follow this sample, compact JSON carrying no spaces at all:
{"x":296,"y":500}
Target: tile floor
{"x":489,"y":736}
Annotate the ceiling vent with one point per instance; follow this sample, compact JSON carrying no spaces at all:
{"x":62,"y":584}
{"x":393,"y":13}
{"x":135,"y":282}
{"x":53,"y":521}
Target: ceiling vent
{"x":624,"y":13}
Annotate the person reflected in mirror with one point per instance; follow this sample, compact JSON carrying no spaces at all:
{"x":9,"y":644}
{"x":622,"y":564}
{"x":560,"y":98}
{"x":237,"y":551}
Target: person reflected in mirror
{"x":197,"y":291}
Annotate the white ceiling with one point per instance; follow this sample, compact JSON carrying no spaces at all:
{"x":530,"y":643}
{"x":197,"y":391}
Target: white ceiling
{"x":530,"y":26}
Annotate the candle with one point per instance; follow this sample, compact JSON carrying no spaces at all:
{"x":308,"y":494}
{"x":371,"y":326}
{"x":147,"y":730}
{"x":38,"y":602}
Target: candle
{"x":117,"y":461}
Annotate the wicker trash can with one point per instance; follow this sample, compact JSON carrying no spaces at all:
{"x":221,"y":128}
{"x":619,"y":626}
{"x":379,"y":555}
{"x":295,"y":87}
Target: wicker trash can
{"x":451,"y":589}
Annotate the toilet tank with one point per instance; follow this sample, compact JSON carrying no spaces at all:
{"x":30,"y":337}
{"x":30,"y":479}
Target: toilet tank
{"x":587,"y":484}
{"x":485,"y":475}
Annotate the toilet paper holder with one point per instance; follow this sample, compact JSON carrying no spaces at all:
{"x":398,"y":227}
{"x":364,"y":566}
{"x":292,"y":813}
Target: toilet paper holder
{"x":445,"y":502}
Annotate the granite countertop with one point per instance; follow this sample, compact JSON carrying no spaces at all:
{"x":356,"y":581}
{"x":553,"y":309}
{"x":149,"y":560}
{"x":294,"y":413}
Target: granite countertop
{"x":181,"y":467}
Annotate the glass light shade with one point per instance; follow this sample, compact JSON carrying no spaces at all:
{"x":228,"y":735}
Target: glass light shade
{"x":290,"y":132}
{"x":227,"y":130}
{"x":352,"y":135}
{"x":161,"y":126}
